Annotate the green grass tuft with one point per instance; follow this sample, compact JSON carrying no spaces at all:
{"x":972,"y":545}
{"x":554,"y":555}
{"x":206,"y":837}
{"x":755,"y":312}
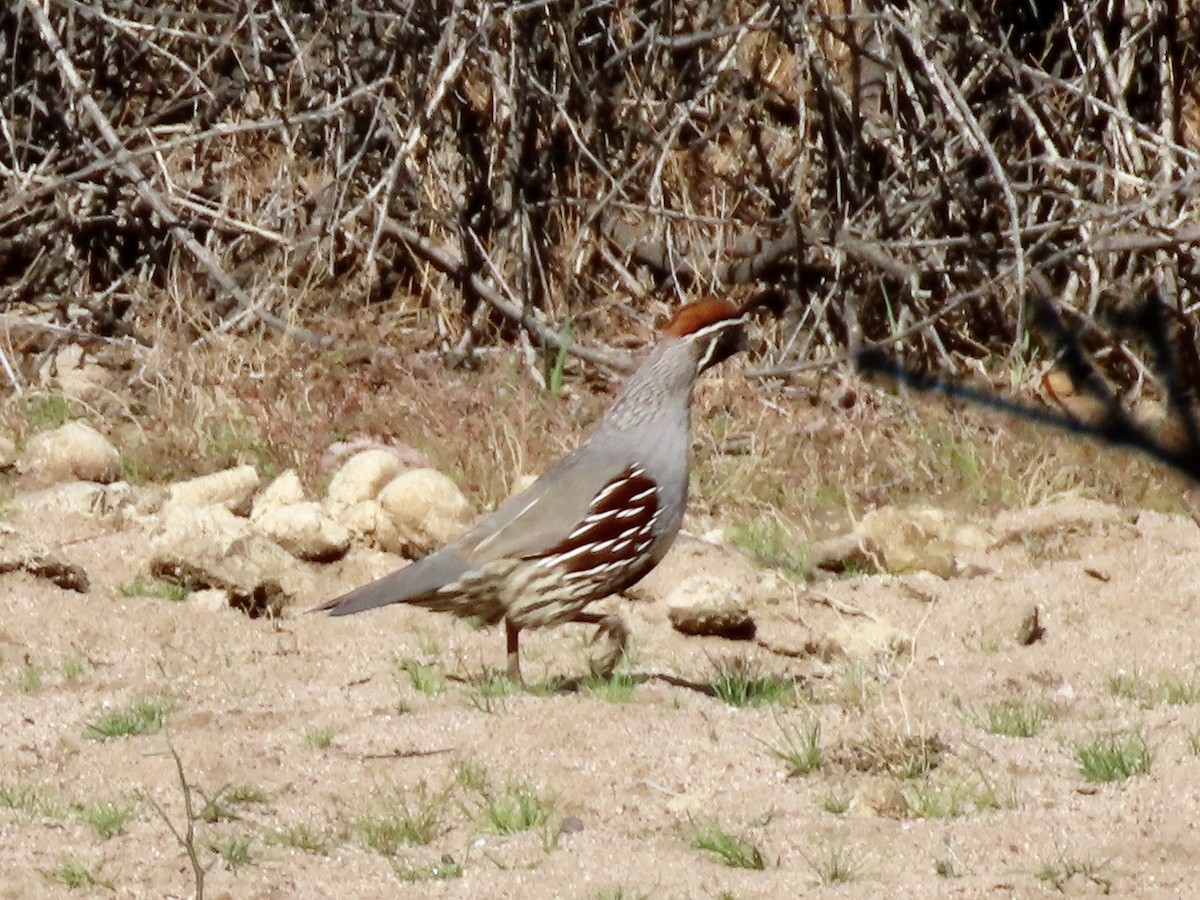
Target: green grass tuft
{"x":1016,"y":717}
{"x":772,"y":545}
{"x":741,"y":682}
{"x":147,"y":716}
{"x":106,"y":818}
{"x":1115,"y":757}
{"x":798,"y":747}
{"x":515,"y":809}
{"x":616,"y":688}
{"x":321,"y":738}
{"x":234,"y":849}
{"x":401,"y":821}
{"x":158,"y":588}
{"x":77,"y":875}
{"x":733,"y":851}
{"x":300,"y":837}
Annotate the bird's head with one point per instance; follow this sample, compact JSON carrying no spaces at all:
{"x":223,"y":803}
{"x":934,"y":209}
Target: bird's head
{"x":714,"y":328}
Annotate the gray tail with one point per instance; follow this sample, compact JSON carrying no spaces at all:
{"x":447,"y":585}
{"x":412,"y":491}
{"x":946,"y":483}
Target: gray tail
{"x":417,"y":584}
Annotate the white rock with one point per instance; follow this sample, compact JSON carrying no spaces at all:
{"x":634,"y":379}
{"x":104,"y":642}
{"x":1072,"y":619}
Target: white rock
{"x":912,"y":539}
{"x":77,"y":377}
{"x":362,"y":477}
{"x":8,"y":452}
{"x":283,"y":491}
{"x":710,"y":605}
{"x":523,"y":482}
{"x":74,"y":451}
{"x":209,"y":599}
{"x":426,"y":507}
{"x":210,"y":547}
{"x":79,"y":498}
{"x":304,"y":530}
{"x":858,"y":638}
{"x":231,"y":489}
{"x":370,"y":524}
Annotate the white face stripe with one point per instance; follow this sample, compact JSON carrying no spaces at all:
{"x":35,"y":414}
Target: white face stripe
{"x":718,"y":325}
{"x":714,"y":328}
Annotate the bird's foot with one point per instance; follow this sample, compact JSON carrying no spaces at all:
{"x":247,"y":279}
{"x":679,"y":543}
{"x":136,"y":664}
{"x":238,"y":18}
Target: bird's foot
{"x":614,"y":630}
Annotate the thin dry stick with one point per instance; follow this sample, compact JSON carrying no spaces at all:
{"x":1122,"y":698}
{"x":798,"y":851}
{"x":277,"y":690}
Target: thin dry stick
{"x":186,"y":838}
{"x":447,"y":262}
{"x":141,"y":184}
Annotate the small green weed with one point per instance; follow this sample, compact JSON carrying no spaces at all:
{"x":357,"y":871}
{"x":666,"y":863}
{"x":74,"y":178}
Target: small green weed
{"x":1115,"y":757}
{"x":798,"y":747}
{"x":1127,"y":685}
{"x":471,"y":775}
{"x":223,"y":805}
{"x":443,"y":870}
{"x":158,"y":588}
{"x":428,"y":678}
{"x":106,"y":818}
{"x":300,"y":837}
{"x":617,"y":688}
{"x":75,"y":875}
{"x":72,"y":668}
{"x":515,"y":809}
{"x":321,"y":738}
{"x":29,"y":679}
{"x":47,"y":411}
{"x":402,"y":821}
{"x":234,"y":849}
{"x":733,"y":851}
{"x":147,"y":716}
{"x":839,"y":865}
{"x":492,"y":686}
{"x":619,"y":893}
{"x":1177,"y":691}
{"x":1016,"y":717}
{"x":949,"y":866}
{"x":740,"y":681}
{"x":930,"y":801}
{"x":1061,"y":871}
{"x":835,"y":803}
{"x":22,"y":799}
{"x":773,"y":545}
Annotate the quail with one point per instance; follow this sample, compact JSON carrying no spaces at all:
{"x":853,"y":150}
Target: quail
{"x":595,"y":522}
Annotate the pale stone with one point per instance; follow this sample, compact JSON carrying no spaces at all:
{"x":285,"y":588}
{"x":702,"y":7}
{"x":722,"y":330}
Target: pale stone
{"x":231,"y":489}
{"x":362,"y":477}
{"x":304,"y":530}
{"x":367,"y":522}
{"x":210,"y":547}
{"x":285,"y":490}
{"x":711,"y":606}
{"x":427,"y":508}
{"x":80,"y":498}
{"x":78,"y":377}
{"x":8,"y":452}
{"x":209,"y":600}
{"x":912,"y":539}
{"x":75,"y":451}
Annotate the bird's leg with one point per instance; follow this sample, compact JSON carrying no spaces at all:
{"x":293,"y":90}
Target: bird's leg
{"x":613,"y":628}
{"x":513,"y":634}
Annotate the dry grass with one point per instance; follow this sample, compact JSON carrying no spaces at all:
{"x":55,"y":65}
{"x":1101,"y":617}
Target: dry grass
{"x":794,"y":458}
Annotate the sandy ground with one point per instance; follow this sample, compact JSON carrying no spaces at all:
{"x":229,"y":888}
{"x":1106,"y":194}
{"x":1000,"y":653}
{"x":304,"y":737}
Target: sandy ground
{"x":884,"y":664}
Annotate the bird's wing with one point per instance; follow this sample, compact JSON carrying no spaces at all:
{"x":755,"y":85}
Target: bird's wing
{"x":545,"y":514}
{"x":411,"y":584}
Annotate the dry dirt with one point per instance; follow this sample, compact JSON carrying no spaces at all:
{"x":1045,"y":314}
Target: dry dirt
{"x":629,"y":783}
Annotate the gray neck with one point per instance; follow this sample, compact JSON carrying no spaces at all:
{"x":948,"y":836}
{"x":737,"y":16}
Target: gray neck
{"x":661,"y":386}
